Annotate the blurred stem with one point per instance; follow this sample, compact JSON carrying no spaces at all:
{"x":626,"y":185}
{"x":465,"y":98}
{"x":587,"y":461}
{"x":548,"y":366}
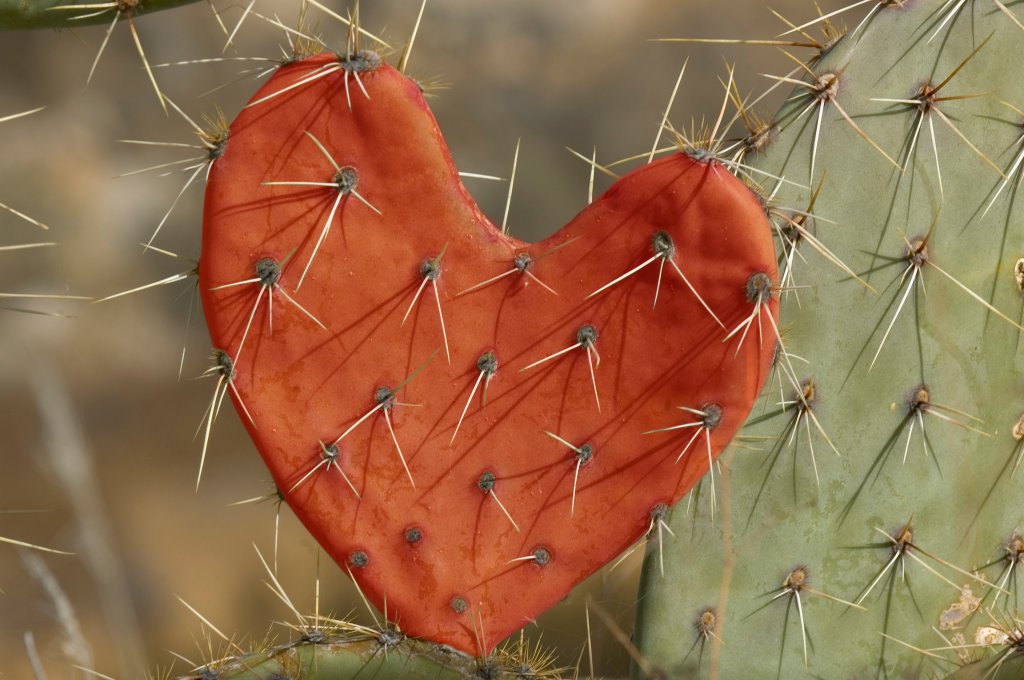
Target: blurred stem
{"x":22,"y":14}
{"x":72,"y":465}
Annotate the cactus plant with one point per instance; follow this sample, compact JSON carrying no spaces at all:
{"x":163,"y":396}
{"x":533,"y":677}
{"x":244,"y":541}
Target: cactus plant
{"x":907,"y":135}
{"x":456,"y":415}
{"x":469,"y":424}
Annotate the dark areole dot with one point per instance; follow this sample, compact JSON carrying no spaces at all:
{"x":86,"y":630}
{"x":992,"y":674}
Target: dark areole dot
{"x":487,"y":363}
{"x":268,"y":271}
{"x":358,"y":559}
{"x":459,"y":604}
{"x":346,"y":179}
{"x":712,"y":415}
{"x":759,"y":288}
{"x":662,"y":244}
{"x":586,"y":335}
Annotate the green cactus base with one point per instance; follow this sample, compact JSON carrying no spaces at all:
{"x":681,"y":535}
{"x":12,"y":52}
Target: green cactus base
{"x":357,"y":652}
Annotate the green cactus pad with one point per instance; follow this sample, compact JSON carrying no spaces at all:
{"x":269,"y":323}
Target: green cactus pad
{"x":917,"y":521}
{"x":354,"y":652}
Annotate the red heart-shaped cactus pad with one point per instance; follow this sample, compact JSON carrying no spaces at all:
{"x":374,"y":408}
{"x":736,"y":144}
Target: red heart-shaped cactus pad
{"x":470,"y":424}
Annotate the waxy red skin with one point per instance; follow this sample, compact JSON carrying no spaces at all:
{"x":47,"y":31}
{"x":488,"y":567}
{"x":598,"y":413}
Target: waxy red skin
{"x":304,"y":385}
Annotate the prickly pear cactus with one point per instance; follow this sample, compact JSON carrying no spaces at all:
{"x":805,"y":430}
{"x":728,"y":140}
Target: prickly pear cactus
{"x":342,"y":650}
{"x":871,"y":522}
{"x":470,"y":425}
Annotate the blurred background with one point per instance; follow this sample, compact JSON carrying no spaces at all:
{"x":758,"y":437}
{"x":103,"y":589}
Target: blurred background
{"x":98,"y":454}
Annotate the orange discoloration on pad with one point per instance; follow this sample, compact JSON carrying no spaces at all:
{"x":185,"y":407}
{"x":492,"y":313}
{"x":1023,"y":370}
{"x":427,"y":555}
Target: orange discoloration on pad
{"x":305,"y":386}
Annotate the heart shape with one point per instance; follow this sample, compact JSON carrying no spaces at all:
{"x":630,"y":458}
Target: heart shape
{"x":353,"y":387}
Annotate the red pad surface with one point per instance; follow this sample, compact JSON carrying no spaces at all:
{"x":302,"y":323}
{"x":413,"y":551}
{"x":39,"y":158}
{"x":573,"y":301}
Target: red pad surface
{"x":304,"y":385}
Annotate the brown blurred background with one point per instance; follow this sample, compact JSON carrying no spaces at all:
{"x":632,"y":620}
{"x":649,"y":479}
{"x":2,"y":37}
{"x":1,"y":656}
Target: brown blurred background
{"x":97,"y":429}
